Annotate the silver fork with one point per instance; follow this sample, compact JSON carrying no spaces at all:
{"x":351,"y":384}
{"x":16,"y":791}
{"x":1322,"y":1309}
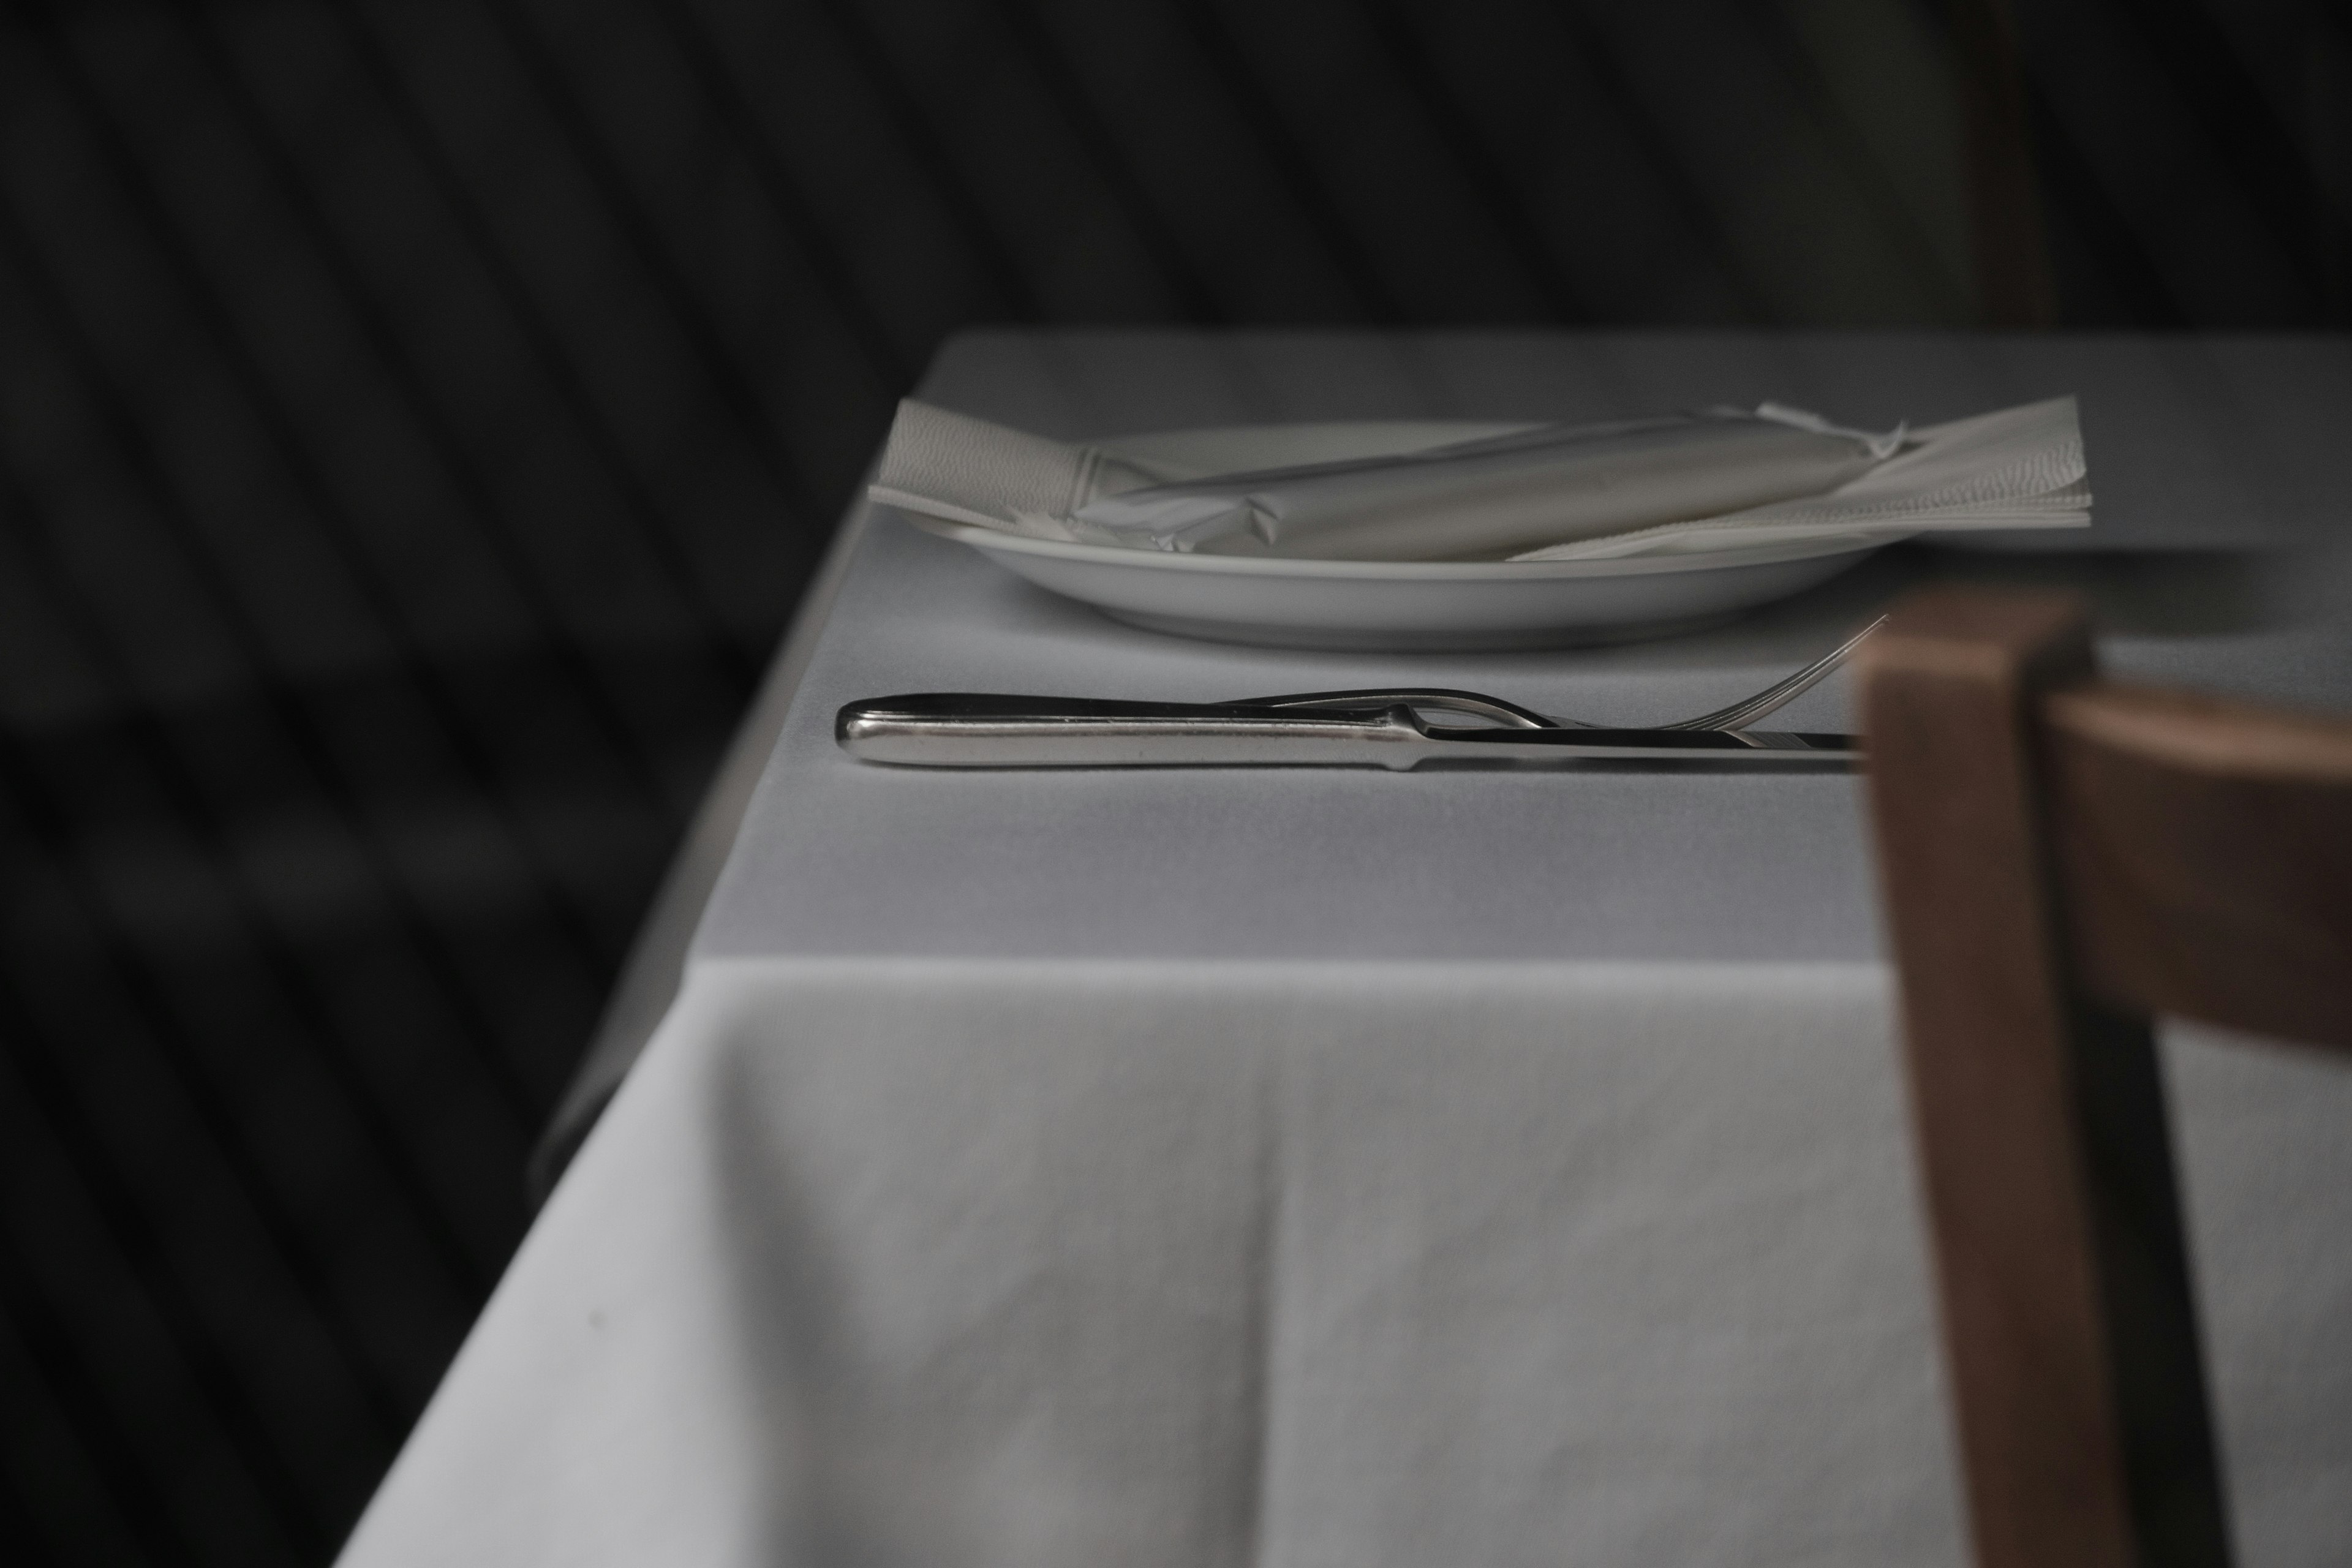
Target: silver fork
{"x":1380,"y":728}
{"x":1443,"y":699}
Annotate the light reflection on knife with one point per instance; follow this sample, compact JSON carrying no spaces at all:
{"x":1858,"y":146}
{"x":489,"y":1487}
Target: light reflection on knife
{"x":976,"y":729}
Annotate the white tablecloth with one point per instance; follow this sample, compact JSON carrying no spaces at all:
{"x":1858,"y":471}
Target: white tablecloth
{"x":1318,"y":1167}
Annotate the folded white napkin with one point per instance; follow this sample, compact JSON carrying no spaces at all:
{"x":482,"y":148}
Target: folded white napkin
{"x":2019,"y":468}
{"x":1681,"y":483}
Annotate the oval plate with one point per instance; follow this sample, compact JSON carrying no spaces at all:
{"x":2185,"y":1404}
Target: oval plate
{"x":1405,"y":605}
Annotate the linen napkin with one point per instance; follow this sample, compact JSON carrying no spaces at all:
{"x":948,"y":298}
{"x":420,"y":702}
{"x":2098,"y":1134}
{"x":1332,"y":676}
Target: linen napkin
{"x":1679,"y":483}
{"x":2018,"y":467}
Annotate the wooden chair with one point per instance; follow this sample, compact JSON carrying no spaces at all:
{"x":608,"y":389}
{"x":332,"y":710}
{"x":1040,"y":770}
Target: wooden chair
{"x":2063,"y":858}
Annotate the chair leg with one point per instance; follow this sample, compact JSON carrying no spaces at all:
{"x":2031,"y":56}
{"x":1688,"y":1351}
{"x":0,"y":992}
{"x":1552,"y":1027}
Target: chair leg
{"x":2147,"y":1294}
{"x":2039,"y":1122}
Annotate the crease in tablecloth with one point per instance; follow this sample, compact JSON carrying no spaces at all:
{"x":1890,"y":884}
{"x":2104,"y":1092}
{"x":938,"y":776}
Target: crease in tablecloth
{"x":1289,"y":1265}
{"x":1200,"y":1264}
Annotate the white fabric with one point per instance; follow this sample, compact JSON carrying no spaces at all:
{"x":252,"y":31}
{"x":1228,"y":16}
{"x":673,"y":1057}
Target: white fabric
{"x":1489,"y":498}
{"x":1677,"y":483}
{"x":1035,"y":1265}
{"x":2017,"y":467}
{"x":1040,"y":1266}
{"x":951,"y":466}
{"x":1303,"y":1169}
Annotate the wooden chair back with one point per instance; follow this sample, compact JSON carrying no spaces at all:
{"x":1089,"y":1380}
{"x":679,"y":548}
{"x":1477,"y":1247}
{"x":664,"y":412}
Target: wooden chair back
{"x":2063,"y":858}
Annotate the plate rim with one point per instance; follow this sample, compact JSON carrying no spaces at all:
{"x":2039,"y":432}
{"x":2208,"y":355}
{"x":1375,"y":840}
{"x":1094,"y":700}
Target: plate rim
{"x":991,"y":540}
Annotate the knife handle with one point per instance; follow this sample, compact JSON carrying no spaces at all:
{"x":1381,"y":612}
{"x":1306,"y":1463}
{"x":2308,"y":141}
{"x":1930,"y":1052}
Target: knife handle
{"x":978,"y":730}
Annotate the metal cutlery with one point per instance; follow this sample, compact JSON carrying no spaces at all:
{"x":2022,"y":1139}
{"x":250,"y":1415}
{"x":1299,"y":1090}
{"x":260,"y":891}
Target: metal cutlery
{"x":1734,"y":716}
{"x":1375,"y":727}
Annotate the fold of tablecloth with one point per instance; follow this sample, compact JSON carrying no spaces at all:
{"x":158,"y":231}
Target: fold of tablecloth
{"x":1035,"y":1263}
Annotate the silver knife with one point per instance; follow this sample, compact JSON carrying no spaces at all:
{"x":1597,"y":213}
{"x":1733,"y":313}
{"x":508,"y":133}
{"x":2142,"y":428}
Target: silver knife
{"x":979,"y":730}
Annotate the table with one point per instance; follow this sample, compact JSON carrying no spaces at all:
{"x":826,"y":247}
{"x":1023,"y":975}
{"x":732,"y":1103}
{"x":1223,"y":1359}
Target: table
{"x":1311,"y":1167}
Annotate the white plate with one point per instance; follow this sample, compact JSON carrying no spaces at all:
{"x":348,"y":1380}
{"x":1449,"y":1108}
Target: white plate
{"x":1402,"y":605}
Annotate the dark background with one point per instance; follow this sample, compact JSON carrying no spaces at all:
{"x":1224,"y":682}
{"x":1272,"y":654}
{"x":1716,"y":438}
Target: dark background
{"x":418,"y":418}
